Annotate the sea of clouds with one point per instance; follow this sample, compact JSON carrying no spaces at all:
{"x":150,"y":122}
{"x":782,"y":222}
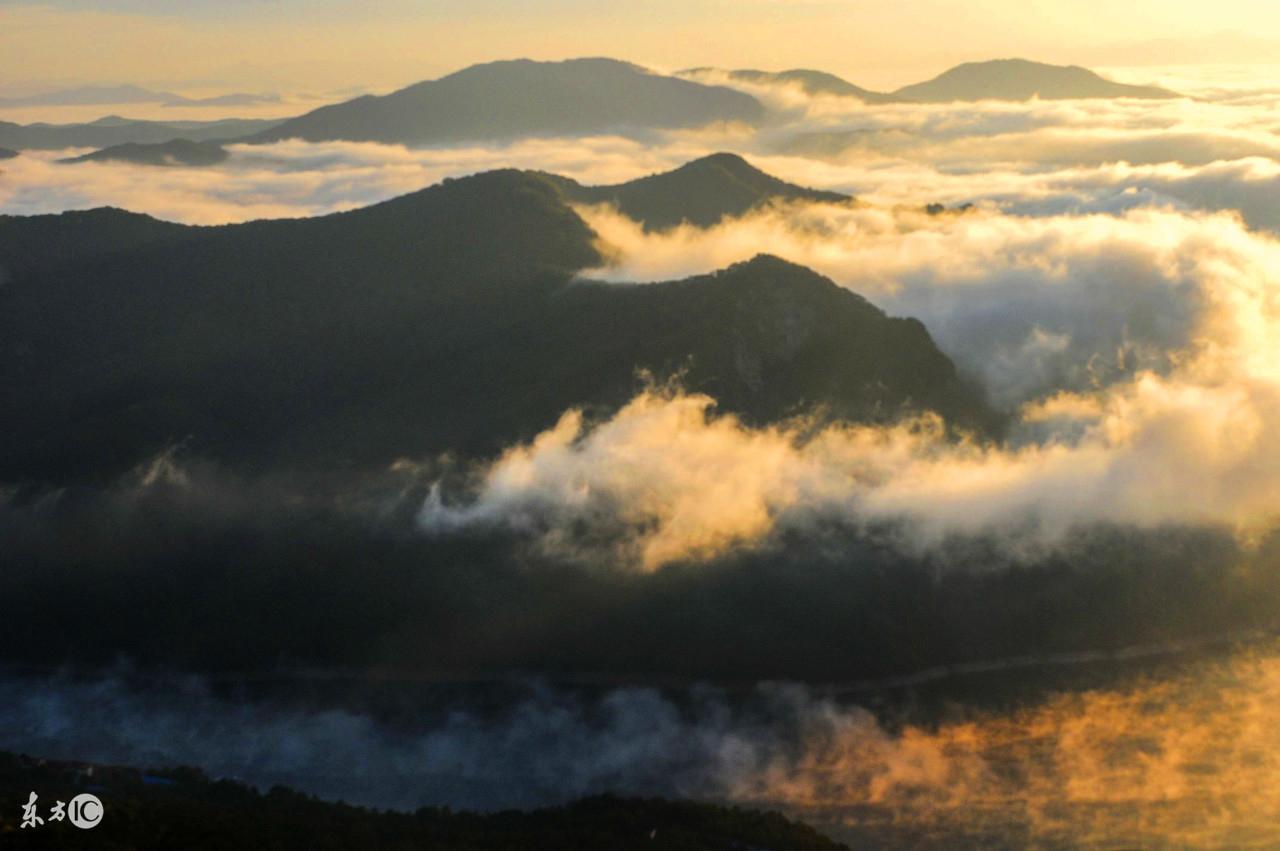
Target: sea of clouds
{"x":1105,"y":270}
{"x":1112,"y":288}
{"x":1115,"y":289}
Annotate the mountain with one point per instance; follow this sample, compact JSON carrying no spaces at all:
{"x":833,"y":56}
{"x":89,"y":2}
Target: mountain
{"x":450,"y":319}
{"x":810,"y":81}
{"x":701,"y":192}
{"x":114,"y":130}
{"x":521,"y":98}
{"x":1000,"y":79}
{"x":1020,"y":79}
{"x":94,"y":95}
{"x":186,"y":809}
{"x":233,"y":99}
{"x":506,"y":100}
{"x":91,"y":95}
{"x":175,"y":152}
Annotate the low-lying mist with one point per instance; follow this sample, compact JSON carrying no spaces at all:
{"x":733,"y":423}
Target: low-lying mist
{"x":1182,"y":756}
{"x":1135,"y":353}
{"x":1029,"y":305}
{"x":191,"y":569}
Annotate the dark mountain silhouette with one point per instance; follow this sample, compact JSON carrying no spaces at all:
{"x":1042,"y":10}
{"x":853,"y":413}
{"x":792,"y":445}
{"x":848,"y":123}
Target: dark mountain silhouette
{"x":1021,"y":79}
{"x":505,"y":100}
{"x":114,"y":130}
{"x":448,"y":319}
{"x":7,"y":154}
{"x":184,"y":808}
{"x":175,"y":152}
{"x":812,"y":82}
{"x":701,"y":192}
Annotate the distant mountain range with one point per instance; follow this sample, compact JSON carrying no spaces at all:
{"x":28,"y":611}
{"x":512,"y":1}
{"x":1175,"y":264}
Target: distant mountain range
{"x":449,"y":319}
{"x":1020,"y":79}
{"x":112,"y":95}
{"x":998,"y":79}
{"x":114,"y":130}
{"x":501,"y":101}
{"x":506,"y":100}
{"x":176,"y":152}
{"x":233,"y":99}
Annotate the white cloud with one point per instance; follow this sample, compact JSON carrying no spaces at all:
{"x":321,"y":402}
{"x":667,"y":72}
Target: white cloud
{"x":1144,"y":349}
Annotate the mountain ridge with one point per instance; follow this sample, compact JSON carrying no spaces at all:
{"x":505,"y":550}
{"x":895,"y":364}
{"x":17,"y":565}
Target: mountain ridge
{"x":521,"y":97}
{"x":185,"y":807}
{"x":994,"y":79}
{"x":1020,"y":80}
{"x":129,"y":93}
{"x":450,"y":319}
{"x":172,"y":153}
{"x":701,"y":192}
{"x":113,"y":130}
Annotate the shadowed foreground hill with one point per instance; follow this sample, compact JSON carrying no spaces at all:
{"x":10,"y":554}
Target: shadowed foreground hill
{"x":446,"y":320}
{"x":701,"y":193}
{"x":506,"y":100}
{"x":181,"y":808}
{"x":1021,"y":79}
{"x":176,"y":152}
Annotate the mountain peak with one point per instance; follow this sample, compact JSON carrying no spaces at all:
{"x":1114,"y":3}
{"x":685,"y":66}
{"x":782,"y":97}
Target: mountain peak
{"x":448,"y":319}
{"x":517,"y":98}
{"x":1022,"y":79}
{"x":724,"y":159}
{"x":172,"y":153}
{"x":770,"y":264}
{"x":701,"y":192}
{"x":768,"y":272}
{"x":723,"y":163}
{"x":582,"y":63}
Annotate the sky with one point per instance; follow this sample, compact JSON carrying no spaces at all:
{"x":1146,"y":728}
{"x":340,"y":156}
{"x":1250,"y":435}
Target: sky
{"x":336,"y":46}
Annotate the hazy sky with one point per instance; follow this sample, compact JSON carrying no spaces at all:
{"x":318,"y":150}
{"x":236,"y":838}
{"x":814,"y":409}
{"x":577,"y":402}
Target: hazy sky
{"x":331,"y":45}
